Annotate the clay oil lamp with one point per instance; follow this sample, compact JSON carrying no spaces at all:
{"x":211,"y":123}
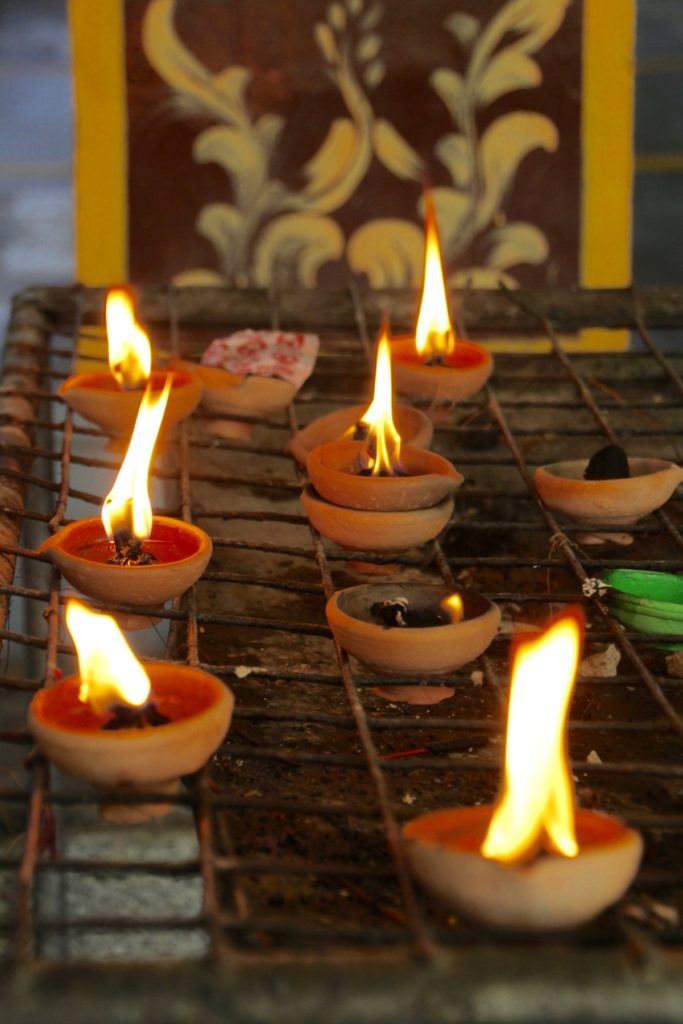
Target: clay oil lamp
{"x":377,"y":494}
{"x":111,"y":399}
{"x":122,"y":726}
{"x":533,"y":861}
{"x":412,"y":629}
{"x":434,"y":364}
{"x":253,"y":374}
{"x":353,"y":423}
{"x":127,"y":555}
{"x":610,"y":489}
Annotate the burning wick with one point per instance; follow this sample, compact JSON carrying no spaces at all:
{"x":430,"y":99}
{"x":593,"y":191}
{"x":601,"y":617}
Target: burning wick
{"x":434,"y":335}
{"x":130,"y":353}
{"x":112,"y":679}
{"x":127,"y":510}
{"x":397,"y":612}
{"x":536,"y":810}
{"x":381,"y":454}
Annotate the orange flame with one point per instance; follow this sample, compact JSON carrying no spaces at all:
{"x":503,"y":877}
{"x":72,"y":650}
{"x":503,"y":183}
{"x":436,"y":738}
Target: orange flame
{"x":110,"y":672}
{"x":383,"y":446}
{"x":536,"y":809}
{"x":434,"y":335}
{"x":454,"y":606}
{"x":130,"y":354}
{"x":127,"y":509}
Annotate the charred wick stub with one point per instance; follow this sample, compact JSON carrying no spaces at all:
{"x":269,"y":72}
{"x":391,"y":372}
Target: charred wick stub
{"x":367,"y":456}
{"x":129,"y":551}
{"x":610,"y":463}
{"x":126,"y":717}
{"x":397,"y":612}
{"x":360,"y":432}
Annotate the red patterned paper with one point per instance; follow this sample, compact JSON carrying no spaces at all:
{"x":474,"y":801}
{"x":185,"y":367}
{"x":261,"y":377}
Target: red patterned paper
{"x":285,"y":354}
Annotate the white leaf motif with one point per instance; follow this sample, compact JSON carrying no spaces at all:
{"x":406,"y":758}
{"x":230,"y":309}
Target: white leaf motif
{"x":388,"y":251}
{"x":338,"y":167}
{"x":394,"y":152}
{"x":450,"y":88}
{"x":455,"y":154}
{"x":464,"y":27}
{"x":232,"y":150}
{"x":324,"y":37}
{"x":374,"y":73}
{"x":368,"y":47}
{"x":336,"y":15}
{"x":223,"y":225}
{"x":507,"y":71}
{"x":297,"y":244}
{"x":503,"y":146}
{"x":371,"y":18}
{"x":516,"y":243}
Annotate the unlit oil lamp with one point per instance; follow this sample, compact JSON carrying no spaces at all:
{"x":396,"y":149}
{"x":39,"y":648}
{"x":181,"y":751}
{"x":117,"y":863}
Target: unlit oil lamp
{"x":111,"y":399}
{"x":434,"y":363}
{"x":128,"y":555}
{"x":610,"y":489}
{"x":127,"y":727}
{"x":533,"y":861}
{"x":412,"y":629}
{"x":353,"y":423}
{"x":377,"y":494}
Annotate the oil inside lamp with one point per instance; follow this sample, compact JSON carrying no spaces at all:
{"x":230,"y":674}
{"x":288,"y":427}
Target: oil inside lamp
{"x":533,"y":861}
{"x":127,"y":555}
{"x":129,"y":350}
{"x":127,"y":509}
{"x":126,"y":728}
{"x":434,"y":364}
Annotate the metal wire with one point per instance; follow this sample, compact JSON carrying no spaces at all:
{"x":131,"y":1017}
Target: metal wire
{"x":308,"y":791}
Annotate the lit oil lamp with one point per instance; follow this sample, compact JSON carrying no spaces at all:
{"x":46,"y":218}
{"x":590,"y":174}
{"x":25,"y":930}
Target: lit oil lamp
{"x":378,"y":494}
{"x":129,"y":556}
{"x":353,"y":423}
{"x":412,"y":629}
{"x":111,"y":399}
{"x":532,"y":862}
{"x":610,"y":489}
{"x":434,"y":363}
{"x":122,"y":726}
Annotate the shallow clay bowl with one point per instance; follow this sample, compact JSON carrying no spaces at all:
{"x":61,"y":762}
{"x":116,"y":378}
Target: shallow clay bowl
{"x":464,"y":373}
{"x":429,"y":478}
{"x":421,"y":650}
{"x":551,"y":892}
{"x":414,"y":427}
{"x":98,"y":398}
{"x":226,"y":393}
{"x":70,"y":734}
{"x":80,"y":552}
{"x":561,"y":487}
{"x":359,"y":530}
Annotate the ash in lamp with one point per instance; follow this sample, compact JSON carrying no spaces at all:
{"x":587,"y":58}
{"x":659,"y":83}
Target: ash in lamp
{"x":379,"y":494}
{"x":434,"y":363}
{"x":128,"y":555}
{"x":533,"y":861}
{"x":111,"y":399}
{"x":127,"y":727}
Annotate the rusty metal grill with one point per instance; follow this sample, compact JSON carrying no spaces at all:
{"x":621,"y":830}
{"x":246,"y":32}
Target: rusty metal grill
{"x":302,"y":899}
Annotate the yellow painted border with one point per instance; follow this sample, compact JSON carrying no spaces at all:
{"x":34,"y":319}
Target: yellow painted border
{"x":101,"y":157}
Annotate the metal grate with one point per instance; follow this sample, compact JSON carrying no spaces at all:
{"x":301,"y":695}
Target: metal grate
{"x":303,"y":879}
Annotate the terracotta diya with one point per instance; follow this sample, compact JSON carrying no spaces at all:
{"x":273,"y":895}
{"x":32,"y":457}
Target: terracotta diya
{"x":129,"y":556}
{"x":532,"y":862}
{"x":111,"y":399}
{"x":379,"y":476}
{"x":127,"y":727}
{"x":642,"y":486}
{"x":434,"y":363}
{"x":412,"y":629}
{"x":353,"y":424}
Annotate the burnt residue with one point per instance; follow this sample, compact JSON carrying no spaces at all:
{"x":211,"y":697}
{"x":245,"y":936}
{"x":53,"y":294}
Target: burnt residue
{"x":610,"y":463}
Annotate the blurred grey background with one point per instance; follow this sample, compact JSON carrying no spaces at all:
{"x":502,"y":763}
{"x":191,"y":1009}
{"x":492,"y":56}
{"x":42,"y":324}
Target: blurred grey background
{"x":36,"y":238}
